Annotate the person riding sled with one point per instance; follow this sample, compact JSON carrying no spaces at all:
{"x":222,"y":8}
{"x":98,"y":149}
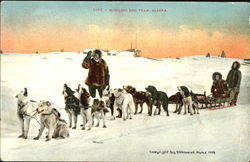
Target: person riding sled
{"x":98,"y":75}
{"x":219,"y":88}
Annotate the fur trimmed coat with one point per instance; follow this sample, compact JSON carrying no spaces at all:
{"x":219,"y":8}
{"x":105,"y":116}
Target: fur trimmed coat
{"x":98,"y":74}
{"x":234,"y":77}
{"x":219,"y":87}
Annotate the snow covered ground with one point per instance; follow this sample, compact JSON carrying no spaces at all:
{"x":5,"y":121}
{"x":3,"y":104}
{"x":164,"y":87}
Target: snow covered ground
{"x":218,"y":135}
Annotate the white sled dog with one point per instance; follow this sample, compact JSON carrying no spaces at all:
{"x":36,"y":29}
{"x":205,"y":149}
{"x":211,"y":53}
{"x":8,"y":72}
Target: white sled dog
{"x":26,"y":110}
{"x":108,"y":99}
{"x":187,"y":100}
{"x":123,"y":101}
{"x":50,"y":118}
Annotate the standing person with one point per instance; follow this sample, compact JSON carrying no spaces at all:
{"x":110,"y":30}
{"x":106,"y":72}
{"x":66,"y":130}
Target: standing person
{"x":219,"y":87}
{"x":98,"y":75}
{"x":234,"y":79}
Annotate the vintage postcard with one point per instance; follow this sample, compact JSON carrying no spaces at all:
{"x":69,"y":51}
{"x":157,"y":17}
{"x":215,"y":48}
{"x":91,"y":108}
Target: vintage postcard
{"x":125,"y":81}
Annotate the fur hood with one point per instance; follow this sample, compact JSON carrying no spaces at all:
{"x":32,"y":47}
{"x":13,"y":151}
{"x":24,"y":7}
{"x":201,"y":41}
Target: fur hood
{"x":97,"y":52}
{"x":217,"y":73}
{"x":237,"y":67}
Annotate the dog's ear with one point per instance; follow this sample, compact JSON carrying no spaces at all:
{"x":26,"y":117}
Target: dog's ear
{"x":108,"y":87}
{"x":48,"y":103}
{"x":77,"y":89}
{"x":25,"y":92}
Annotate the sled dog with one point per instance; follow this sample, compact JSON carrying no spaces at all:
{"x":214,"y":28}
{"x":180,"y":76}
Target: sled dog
{"x":140,"y":98}
{"x":85,"y":110}
{"x":108,"y":98}
{"x":159,"y":98}
{"x":50,"y":118}
{"x":188,"y":100}
{"x":71,"y":105}
{"x":176,"y":99}
{"x":26,"y":110}
{"x":123,"y":101}
{"x":97,"y":110}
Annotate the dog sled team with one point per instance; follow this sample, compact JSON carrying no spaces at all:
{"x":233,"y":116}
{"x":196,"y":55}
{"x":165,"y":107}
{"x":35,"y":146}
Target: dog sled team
{"x":120,"y":102}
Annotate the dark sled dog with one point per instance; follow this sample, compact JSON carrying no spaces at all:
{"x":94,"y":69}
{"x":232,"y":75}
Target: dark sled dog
{"x":71,"y":105}
{"x":178,"y":100}
{"x":159,"y":99}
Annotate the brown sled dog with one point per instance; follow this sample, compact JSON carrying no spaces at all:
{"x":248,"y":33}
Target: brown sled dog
{"x":140,"y":98}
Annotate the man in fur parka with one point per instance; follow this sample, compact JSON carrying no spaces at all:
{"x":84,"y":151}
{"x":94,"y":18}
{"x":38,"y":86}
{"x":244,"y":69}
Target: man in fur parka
{"x":98,"y":75}
{"x":234,"y":79}
{"x":219,"y":87}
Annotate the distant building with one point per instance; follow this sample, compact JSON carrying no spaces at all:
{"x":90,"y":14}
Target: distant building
{"x":208,"y":54}
{"x":137,"y":52}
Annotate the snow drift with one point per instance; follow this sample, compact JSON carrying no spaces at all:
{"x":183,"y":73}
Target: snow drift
{"x":219,"y":135}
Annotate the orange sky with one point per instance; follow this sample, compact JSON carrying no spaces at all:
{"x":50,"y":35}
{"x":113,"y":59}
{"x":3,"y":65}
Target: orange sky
{"x":185,"y":29}
{"x":152,"y":42}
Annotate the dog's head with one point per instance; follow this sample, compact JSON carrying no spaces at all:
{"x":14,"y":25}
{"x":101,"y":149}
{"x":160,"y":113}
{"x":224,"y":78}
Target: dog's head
{"x":79,"y":88}
{"x":129,"y":89}
{"x":96,"y":102}
{"x":151,"y":89}
{"x":82,"y":94}
{"x":117,"y":91}
{"x":44,"y":107}
{"x":82,"y":91}
{"x":23,"y":94}
{"x":67,"y":91}
{"x":101,"y":104}
{"x":183,"y":91}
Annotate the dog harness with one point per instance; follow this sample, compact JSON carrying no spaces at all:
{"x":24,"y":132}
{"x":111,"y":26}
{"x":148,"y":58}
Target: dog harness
{"x":119,"y":100}
{"x":57,"y":116}
{"x":21,"y":105}
{"x":22,"y":113}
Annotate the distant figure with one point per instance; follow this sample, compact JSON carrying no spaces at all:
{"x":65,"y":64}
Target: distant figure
{"x":223,"y":54}
{"x":208,"y":54}
{"x":219,"y":87}
{"x":98,"y":75}
{"x":234,"y":80}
